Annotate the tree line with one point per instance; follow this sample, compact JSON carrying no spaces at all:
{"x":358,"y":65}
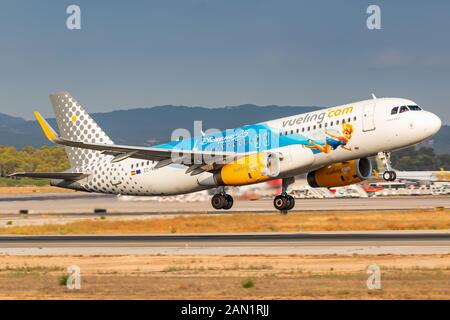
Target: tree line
{"x":29,"y":159}
{"x":419,"y":159}
{"x":54,"y":159}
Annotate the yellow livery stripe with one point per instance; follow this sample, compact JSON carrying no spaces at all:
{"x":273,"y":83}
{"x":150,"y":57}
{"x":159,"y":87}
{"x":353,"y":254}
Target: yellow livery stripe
{"x":48,"y":131}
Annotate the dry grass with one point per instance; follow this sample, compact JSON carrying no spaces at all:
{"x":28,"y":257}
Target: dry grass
{"x":32,"y":189}
{"x":293,"y":222}
{"x":223,"y":277}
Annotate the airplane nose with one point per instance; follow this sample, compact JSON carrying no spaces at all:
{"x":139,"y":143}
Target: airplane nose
{"x":423,"y":125}
{"x":433,"y":123}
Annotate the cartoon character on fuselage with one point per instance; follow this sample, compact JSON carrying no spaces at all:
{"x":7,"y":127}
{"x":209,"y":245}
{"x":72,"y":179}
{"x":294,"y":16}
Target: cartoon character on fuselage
{"x":332,"y":141}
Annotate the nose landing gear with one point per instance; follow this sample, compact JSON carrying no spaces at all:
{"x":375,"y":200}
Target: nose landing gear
{"x":389,"y":174}
{"x":284,"y":202}
{"x":222,"y":200}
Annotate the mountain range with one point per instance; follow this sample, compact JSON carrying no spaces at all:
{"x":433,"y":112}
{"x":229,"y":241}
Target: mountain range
{"x":153,"y":125}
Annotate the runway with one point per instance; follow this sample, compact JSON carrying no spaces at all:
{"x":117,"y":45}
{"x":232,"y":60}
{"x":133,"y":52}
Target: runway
{"x":85,"y":204}
{"x":313,"y":243}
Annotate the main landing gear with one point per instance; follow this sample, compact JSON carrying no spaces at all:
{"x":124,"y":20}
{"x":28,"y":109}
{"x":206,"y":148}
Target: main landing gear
{"x":222,"y":200}
{"x":284,"y":202}
{"x":389,"y":174}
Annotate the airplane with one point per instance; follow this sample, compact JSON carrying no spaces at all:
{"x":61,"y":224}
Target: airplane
{"x":390,"y":174}
{"x":331,"y":145}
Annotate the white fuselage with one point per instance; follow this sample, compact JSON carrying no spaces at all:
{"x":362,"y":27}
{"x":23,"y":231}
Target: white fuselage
{"x":374,"y":129}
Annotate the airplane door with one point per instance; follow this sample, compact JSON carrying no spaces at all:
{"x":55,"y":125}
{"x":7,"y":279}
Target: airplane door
{"x":368,"y":122}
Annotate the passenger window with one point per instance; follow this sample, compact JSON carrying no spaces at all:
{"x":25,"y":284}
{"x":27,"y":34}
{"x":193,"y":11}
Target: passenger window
{"x":337,"y":122}
{"x":314,"y":128}
{"x":309,"y":128}
{"x":394,"y":110}
{"x":292,"y":131}
{"x":349,"y":120}
{"x":331,"y":123}
{"x":326,"y":124}
{"x":303,"y":129}
{"x":297,"y":130}
{"x":404,"y":109}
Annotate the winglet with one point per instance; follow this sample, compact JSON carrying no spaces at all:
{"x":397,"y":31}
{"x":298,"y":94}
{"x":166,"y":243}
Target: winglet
{"x":48,"y":131}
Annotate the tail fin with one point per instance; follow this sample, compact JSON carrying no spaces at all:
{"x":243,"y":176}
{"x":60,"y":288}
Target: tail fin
{"x":75,"y":124}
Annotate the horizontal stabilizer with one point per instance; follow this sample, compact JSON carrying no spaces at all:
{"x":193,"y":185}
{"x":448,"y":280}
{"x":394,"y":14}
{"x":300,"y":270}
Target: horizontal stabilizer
{"x":73,"y":176}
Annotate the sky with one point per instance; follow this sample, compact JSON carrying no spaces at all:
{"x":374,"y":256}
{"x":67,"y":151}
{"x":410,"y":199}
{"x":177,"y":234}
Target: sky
{"x":223,"y":52}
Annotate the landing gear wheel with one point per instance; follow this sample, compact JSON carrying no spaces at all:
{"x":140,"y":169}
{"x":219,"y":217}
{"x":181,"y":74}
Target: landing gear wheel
{"x":228,"y":202}
{"x":222,"y":201}
{"x":280,"y":202}
{"x":284,"y":202}
{"x":394,"y":176}
{"x":291,"y":203}
{"x":389,"y":176}
{"x":218,"y":201}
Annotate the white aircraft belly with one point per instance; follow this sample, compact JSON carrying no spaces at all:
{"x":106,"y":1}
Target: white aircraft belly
{"x":169,"y":180}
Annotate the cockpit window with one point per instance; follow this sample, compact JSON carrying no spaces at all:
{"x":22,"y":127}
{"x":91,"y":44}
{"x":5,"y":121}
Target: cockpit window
{"x":415,"y":108}
{"x":394,"y":110}
{"x":404,"y":109}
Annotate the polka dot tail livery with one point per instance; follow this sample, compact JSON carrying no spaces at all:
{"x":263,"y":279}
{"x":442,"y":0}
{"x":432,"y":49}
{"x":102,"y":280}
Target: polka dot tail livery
{"x":76,"y":124}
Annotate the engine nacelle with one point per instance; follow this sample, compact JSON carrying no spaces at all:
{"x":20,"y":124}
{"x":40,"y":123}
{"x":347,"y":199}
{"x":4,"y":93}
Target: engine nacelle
{"x":259,"y":167}
{"x":341,"y":174}
{"x":254,"y":168}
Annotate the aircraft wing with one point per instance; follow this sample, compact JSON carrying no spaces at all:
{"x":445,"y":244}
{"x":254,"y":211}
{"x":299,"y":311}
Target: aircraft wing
{"x":121,"y":152}
{"x":198,"y":161}
{"x":50,"y":175}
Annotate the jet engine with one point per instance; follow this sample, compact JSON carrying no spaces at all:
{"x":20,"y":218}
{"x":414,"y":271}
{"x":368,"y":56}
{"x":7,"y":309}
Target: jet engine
{"x":254,"y":168}
{"x":340,"y":174}
{"x":259,"y":167}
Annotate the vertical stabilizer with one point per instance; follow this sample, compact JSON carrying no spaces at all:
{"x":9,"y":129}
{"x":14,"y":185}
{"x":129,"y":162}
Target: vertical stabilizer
{"x":76,"y":124}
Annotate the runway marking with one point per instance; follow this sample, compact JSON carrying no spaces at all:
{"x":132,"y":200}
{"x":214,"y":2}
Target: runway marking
{"x":367,"y":243}
{"x":275,"y":237}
